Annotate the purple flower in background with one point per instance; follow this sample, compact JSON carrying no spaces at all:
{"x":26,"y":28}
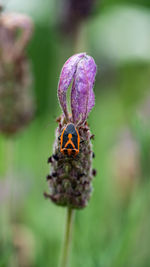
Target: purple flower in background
{"x":80,"y":70}
{"x":71,"y":173}
{"x":16,"y":98}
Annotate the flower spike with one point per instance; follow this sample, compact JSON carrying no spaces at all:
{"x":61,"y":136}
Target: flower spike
{"x":16,"y":99}
{"x":71,"y":172}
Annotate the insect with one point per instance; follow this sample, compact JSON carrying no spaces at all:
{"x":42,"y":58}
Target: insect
{"x":70,"y":140}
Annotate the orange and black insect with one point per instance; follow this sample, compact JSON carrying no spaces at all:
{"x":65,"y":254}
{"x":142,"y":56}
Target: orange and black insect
{"x":70,"y":140}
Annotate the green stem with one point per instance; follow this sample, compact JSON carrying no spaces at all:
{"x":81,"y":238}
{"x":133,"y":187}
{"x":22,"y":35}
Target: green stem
{"x":6,"y":210}
{"x":10,"y":170}
{"x":68,"y":238}
{"x":10,"y":157}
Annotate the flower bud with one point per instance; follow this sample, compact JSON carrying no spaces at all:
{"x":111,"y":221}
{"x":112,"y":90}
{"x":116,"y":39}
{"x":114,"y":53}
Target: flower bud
{"x":79,"y":69}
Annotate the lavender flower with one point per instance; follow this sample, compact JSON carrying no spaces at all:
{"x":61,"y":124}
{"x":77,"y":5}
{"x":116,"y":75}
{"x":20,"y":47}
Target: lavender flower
{"x":16,"y":102}
{"x":70,"y":176}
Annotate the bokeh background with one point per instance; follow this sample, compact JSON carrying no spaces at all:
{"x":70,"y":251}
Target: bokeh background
{"x":114,"y":229}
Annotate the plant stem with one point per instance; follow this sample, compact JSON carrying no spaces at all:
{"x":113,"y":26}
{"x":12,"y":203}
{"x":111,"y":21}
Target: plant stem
{"x":6,"y":210}
{"x":10,"y":169}
{"x":10,"y":156}
{"x":68,"y":238}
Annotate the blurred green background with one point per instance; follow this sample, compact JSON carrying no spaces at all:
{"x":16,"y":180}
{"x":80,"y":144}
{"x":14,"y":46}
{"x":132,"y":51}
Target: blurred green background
{"x":114,"y":229}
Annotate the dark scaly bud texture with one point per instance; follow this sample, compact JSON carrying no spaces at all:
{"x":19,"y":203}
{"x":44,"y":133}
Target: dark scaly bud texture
{"x":16,"y":99}
{"x":70,"y":177}
{"x":71,"y":173}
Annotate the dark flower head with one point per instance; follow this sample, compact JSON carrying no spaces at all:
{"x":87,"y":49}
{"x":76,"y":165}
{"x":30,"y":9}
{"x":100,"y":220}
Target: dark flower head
{"x":80,"y":9}
{"x":71,"y":173}
{"x":74,"y":12}
{"x":80,"y":70}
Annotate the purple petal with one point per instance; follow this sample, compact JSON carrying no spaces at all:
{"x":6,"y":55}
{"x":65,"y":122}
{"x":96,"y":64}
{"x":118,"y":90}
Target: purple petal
{"x":82,"y":95}
{"x":66,"y":77}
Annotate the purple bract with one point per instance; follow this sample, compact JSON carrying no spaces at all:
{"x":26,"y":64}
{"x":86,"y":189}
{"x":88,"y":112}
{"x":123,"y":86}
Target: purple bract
{"x":79,"y":69}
